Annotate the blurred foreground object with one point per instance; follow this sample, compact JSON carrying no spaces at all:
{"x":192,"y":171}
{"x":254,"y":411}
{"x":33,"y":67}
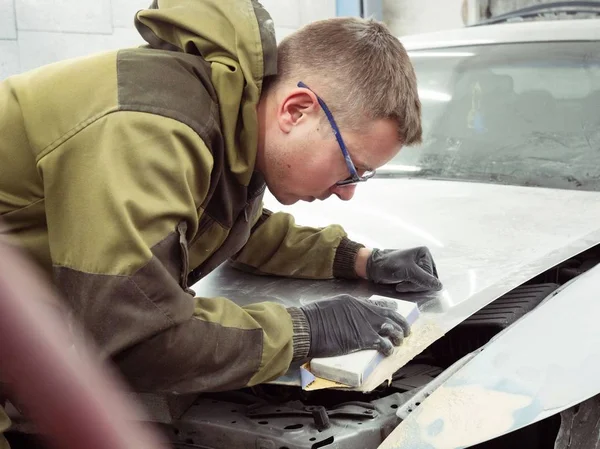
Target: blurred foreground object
{"x":73,"y":400}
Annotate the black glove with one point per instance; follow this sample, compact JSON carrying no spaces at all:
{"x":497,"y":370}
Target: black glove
{"x":344,"y":324}
{"x":412,"y":270}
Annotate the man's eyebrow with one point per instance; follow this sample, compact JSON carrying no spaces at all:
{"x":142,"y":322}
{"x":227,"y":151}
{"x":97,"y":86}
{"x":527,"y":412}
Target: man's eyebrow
{"x":358,"y":164}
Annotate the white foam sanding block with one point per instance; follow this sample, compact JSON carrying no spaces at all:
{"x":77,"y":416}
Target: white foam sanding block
{"x":353,"y":369}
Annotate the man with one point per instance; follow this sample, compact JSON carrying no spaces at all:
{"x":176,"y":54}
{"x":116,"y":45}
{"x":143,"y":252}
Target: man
{"x":130,"y":175}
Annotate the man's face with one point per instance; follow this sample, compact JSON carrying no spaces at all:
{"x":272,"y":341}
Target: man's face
{"x":301,"y":158}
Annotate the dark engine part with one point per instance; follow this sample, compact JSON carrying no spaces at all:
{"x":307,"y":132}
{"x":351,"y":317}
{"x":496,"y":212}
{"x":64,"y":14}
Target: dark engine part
{"x":570,"y":269}
{"x":479,"y":328}
{"x":217,"y":424}
{"x":414,"y":376}
{"x":282,"y":417}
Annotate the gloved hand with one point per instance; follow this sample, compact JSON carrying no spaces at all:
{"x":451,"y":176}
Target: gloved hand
{"x":412,"y":270}
{"x":344,"y":324}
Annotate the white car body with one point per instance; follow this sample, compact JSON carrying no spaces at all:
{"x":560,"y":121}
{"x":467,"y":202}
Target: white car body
{"x":487,"y":239}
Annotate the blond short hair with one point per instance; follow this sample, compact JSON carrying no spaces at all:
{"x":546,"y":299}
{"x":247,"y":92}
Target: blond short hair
{"x":359,"y":68}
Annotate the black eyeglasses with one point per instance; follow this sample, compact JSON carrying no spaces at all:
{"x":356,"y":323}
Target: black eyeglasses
{"x":354,"y":176}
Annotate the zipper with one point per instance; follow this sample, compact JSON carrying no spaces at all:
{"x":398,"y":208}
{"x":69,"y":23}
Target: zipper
{"x":182,"y":229}
{"x":206,"y":220}
{"x":203,"y":225}
{"x":258,"y":192}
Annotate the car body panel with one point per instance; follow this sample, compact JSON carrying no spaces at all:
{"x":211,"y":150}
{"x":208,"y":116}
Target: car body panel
{"x":541,"y":365}
{"x":486,"y":239}
{"x":557,"y":30}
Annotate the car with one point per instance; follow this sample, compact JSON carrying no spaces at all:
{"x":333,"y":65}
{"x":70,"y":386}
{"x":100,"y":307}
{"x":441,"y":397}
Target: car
{"x":505,"y":192}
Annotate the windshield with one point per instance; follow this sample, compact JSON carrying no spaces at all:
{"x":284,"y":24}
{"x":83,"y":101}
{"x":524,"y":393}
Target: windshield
{"x":523,"y":114}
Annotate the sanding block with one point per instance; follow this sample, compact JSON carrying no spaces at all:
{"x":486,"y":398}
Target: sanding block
{"x":353,"y":369}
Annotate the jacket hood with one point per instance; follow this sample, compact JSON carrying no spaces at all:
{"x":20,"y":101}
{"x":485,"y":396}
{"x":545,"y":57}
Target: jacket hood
{"x":237,"y":39}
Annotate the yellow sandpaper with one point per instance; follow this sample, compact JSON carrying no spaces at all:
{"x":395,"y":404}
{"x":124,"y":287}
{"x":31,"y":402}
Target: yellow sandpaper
{"x":424,"y":332}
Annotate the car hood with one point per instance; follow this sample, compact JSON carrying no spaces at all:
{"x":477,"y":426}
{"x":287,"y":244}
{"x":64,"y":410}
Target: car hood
{"x":482,"y":236}
{"x":486,"y":240}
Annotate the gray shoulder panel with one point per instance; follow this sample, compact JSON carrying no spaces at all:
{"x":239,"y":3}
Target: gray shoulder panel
{"x":172,"y":84}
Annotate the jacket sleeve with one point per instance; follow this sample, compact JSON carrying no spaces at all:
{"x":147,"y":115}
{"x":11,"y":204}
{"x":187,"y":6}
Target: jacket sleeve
{"x":280,"y":247}
{"x":121,"y":195}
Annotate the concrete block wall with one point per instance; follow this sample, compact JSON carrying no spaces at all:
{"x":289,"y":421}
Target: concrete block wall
{"x":289,"y":15}
{"x":422,"y":16}
{"x":38,"y":32}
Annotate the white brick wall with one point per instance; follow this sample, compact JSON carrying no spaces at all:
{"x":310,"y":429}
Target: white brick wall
{"x":37,"y":48}
{"x":64,"y":16}
{"x":292,"y":14}
{"x":8,"y":26}
{"x":286,"y":14}
{"x":9,"y":58}
{"x":422,"y":16}
{"x":123,"y":11}
{"x":38,"y":32}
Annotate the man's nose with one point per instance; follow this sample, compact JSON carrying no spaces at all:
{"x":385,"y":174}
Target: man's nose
{"x":344,"y":193}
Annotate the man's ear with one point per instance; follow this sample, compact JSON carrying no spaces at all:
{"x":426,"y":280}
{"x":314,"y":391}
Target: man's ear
{"x":295,"y":108}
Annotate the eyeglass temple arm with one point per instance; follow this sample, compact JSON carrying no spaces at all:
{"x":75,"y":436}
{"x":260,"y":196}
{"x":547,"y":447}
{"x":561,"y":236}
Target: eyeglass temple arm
{"x":336,"y":132}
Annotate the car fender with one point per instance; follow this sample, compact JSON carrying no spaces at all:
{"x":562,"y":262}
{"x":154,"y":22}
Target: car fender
{"x":543,"y":364}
